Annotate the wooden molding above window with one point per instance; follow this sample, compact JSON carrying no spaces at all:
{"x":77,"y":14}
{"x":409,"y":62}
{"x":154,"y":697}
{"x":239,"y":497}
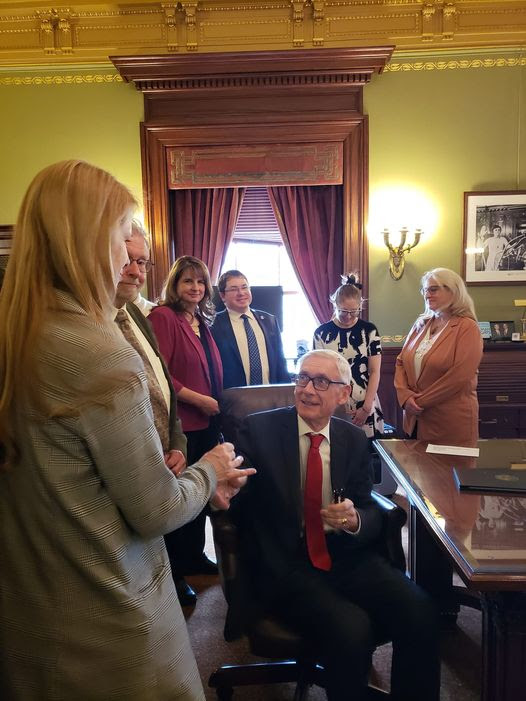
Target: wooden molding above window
{"x":255,"y":164}
{"x":306,"y":98}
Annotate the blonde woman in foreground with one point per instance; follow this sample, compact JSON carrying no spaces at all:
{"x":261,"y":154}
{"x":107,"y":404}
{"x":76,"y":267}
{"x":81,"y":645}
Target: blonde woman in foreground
{"x":87,"y":603}
{"x":436,"y":372}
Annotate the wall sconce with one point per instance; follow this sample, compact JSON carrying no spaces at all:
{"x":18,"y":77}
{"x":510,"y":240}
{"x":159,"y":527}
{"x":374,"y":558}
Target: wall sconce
{"x":397,"y":252}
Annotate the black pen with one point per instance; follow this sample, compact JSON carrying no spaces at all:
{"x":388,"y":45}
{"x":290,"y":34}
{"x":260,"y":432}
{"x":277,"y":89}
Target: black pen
{"x":338,"y":495}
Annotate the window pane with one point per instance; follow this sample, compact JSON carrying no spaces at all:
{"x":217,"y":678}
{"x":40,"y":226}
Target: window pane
{"x":269,"y":264}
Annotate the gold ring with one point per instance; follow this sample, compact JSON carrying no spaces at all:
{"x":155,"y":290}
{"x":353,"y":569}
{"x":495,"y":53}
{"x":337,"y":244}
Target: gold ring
{"x":343,"y":521}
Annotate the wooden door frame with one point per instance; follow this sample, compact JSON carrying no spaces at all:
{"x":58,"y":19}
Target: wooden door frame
{"x":307,"y":96}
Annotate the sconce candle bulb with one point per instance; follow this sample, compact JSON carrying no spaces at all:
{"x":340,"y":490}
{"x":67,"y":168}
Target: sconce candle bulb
{"x":397,"y":252}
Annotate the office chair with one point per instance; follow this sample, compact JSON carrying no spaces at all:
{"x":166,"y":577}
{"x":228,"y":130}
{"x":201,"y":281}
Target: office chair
{"x":288,"y":657}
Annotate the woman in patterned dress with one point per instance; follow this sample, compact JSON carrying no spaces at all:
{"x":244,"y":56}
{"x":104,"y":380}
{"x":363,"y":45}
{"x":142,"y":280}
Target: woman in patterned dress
{"x":359,"y":342}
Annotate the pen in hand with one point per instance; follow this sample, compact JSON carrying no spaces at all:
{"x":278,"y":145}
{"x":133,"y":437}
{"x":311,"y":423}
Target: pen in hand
{"x":338,"y":495}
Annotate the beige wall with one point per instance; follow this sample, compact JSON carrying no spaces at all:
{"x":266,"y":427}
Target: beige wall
{"x":444,"y":131}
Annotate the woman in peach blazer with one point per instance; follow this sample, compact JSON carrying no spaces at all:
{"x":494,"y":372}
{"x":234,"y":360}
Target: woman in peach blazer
{"x":436,"y":372}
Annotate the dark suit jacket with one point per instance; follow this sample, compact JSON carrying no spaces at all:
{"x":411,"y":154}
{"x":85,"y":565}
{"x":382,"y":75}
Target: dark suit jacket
{"x":177,"y":437}
{"x":268,"y":511}
{"x":233,"y":373}
{"x":186,"y":359}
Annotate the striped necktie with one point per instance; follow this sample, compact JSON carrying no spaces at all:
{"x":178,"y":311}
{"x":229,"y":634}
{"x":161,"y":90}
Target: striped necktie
{"x":256,"y":373}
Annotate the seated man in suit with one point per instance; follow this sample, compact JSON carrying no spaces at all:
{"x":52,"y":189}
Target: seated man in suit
{"x":309,"y":525}
{"x":249,"y":340}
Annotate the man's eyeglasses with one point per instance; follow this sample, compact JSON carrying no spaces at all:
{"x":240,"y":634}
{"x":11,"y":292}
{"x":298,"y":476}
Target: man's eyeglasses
{"x":243,"y":288}
{"x":319,"y":382}
{"x":143,"y":265}
{"x":433,"y":289}
{"x":348,"y":312}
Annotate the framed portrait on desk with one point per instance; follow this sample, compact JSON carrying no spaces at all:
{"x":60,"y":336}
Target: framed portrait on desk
{"x":501,"y":330}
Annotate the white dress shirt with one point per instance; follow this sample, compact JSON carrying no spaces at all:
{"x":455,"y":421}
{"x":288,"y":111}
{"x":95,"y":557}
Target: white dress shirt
{"x":238,"y":327}
{"x":144,"y":304}
{"x":325,"y":454}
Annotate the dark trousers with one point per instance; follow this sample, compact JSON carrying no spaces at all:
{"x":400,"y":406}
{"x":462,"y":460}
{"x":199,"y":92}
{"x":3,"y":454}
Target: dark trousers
{"x":344,"y":612}
{"x":186,"y":544}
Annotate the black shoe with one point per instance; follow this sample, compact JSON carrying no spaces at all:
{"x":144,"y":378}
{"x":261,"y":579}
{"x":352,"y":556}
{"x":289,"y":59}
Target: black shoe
{"x":185,"y":593}
{"x":203,"y":565}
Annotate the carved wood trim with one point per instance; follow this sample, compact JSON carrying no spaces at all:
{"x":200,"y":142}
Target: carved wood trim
{"x":305,"y":111}
{"x":6,"y":242}
{"x":254,"y":69}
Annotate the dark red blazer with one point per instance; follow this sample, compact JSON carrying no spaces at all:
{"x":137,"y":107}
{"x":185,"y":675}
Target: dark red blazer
{"x":185,"y":357}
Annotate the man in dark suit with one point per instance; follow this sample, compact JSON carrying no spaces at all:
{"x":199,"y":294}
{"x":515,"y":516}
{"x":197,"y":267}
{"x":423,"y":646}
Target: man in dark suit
{"x":314,"y":561}
{"x":249,"y":340}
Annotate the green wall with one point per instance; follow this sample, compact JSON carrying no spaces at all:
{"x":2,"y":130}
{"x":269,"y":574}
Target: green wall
{"x":42,"y":124}
{"x":446,"y":132}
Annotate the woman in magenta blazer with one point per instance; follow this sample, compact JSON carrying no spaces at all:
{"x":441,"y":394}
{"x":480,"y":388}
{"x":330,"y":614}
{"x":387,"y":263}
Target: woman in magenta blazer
{"x":436,"y":372}
{"x":181,"y":324}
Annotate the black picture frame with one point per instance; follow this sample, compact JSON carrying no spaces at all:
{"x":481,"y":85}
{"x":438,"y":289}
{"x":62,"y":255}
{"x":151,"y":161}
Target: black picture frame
{"x":494,"y":250}
{"x":501,"y":330}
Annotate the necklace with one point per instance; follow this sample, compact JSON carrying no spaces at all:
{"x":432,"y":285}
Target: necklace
{"x":439,"y":322}
{"x":193,"y":320}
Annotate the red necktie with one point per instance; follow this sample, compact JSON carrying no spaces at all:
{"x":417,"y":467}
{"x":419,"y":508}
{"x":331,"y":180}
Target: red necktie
{"x":314,"y":533}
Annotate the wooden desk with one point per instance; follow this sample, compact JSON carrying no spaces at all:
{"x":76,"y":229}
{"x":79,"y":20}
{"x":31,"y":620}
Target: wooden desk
{"x":482,"y":538}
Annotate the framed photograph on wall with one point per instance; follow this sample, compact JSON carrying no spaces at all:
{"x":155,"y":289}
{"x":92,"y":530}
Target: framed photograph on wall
{"x":494,"y":250}
{"x":501,"y":330}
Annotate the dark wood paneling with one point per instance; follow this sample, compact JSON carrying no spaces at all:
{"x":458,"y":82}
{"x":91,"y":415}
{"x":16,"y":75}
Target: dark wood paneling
{"x":501,"y":390}
{"x":386,"y":391}
{"x":6,"y":240}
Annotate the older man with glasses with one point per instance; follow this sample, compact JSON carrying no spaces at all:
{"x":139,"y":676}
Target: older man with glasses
{"x":313,"y":561}
{"x":249,"y":340}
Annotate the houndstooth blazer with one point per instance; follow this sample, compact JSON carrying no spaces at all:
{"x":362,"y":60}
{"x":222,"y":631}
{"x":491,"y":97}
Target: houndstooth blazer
{"x":88,"y":607}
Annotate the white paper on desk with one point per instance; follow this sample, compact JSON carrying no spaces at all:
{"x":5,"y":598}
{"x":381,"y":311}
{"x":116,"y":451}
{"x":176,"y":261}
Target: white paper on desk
{"x":453,"y":450}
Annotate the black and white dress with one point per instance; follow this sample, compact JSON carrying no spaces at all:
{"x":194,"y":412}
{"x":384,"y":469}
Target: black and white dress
{"x":356,"y":344}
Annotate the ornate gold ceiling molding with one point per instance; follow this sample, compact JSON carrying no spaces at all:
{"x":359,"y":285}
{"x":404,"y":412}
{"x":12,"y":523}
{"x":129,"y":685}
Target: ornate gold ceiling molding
{"x":66,"y":74}
{"x":59,"y":31}
{"x":457,"y":60}
{"x":9,"y":80}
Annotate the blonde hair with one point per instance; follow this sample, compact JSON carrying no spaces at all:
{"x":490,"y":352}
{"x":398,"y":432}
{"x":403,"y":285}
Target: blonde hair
{"x":169,"y":296}
{"x":62,"y":241}
{"x":461,"y":303}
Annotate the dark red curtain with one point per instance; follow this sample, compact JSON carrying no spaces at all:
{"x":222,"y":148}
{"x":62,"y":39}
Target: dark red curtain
{"x":311,"y":222}
{"x":203,"y":223}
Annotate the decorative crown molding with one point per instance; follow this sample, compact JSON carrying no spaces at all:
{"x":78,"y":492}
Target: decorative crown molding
{"x":51,"y":32}
{"x":331,"y":68}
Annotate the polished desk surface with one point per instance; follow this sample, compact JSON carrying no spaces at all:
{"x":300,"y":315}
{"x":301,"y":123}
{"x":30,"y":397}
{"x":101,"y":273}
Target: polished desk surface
{"x":485,"y":535}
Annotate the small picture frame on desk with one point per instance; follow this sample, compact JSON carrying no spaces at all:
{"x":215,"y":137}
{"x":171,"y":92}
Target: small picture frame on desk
{"x":485,"y":330}
{"x":501,"y":330}
{"x":515,"y":336}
